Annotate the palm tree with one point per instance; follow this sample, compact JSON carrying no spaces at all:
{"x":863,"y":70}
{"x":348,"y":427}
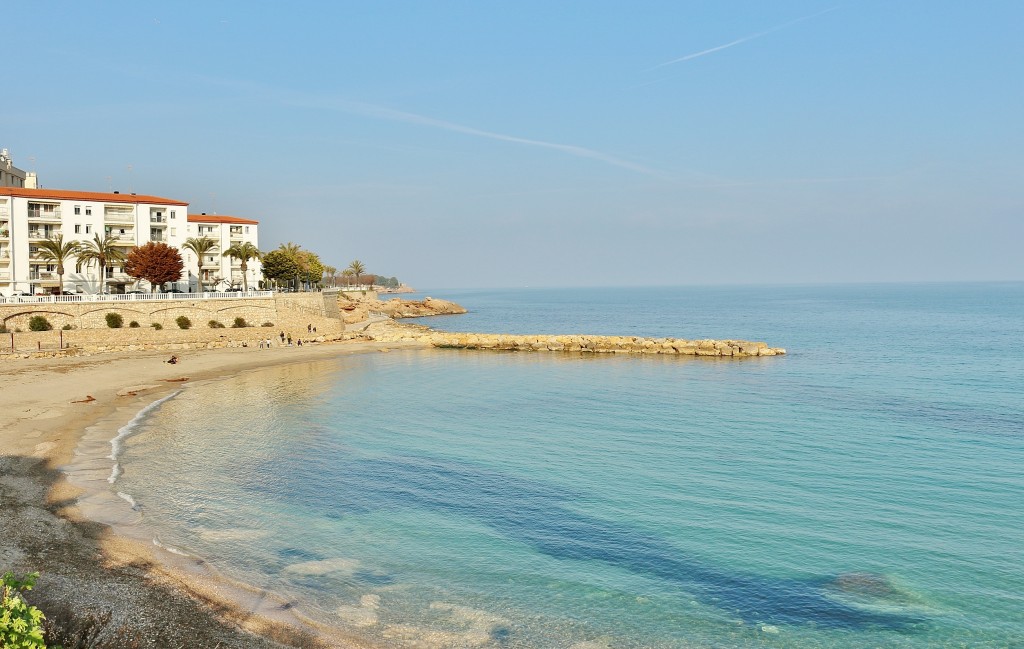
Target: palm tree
{"x":294,"y":252}
{"x":102,"y":251}
{"x":357,"y":269}
{"x":243,"y":252}
{"x":347,"y":274}
{"x":331,"y":272}
{"x":54,"y":249}
{"x":200,"y":246}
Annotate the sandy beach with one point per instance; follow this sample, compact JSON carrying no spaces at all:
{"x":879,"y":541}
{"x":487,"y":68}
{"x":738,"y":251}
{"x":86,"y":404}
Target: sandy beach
{"x":100,"y":589}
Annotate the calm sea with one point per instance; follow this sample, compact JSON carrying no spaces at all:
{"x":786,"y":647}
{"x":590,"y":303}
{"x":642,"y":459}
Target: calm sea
{"x":866,"y":490}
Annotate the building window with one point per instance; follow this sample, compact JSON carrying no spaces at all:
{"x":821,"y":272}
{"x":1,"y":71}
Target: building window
{"x":78,"y":228}
{"x":172,"y":214}
{"x":172,"y":229}
{"x":88,"y":229}
{"x":88,"y":211}
{"x":247,"y":229}
{"x":78,"y":210}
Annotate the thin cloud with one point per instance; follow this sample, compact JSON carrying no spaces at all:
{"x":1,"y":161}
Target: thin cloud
{"x":380,"y":112}
{"x":738,"y":41}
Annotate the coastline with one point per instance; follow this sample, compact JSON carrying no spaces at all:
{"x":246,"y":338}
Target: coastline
{"x":100,"y":572}
{"x":129,"y":590}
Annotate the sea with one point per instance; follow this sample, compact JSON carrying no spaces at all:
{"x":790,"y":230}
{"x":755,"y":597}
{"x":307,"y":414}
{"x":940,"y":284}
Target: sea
{"x":864,"y":490}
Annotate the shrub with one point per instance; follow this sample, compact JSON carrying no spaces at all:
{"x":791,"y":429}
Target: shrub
{"x":157,"y":326}
{"x":240,"y":323}
{"x":268,"y":324}
{"x":39,"y":323}
{"x":133,"y":324}
{"x":21,"y":625}
{"x":114,"y":320}
{"x":183,"y":322}
{"x":3,"y":329}
{"x":215,"y":325}
{"x":67,"y":327}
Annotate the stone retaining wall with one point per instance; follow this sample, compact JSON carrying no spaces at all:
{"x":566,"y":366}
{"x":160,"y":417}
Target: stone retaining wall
{"x":89,"y":331}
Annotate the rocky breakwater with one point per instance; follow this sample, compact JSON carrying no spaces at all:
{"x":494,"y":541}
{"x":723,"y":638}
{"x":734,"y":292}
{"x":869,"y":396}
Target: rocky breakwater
{"x":386,"y":332}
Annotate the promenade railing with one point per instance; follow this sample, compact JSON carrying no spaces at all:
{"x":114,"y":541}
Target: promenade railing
{"x":132,"y":297}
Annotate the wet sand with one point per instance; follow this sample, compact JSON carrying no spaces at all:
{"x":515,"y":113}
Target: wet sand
{"x":95,"y":585}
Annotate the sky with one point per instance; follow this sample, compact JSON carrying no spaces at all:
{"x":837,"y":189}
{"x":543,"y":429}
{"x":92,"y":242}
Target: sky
{"x":511,"y":144}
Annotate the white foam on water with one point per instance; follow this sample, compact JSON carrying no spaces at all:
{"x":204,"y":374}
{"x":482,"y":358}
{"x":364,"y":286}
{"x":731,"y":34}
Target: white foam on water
{"x":126,"y":431}
{"x":128,"y":499}
{"x":157,"y":543}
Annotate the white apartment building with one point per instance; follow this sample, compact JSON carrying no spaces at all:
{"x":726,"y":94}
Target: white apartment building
{"x":29,"y":216}
{"x":221,"y":272}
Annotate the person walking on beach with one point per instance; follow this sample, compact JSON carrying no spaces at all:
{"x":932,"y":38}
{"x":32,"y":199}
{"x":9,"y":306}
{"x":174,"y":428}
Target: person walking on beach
{"x":309,"y":328}
{"x":282,"y":337}
{"x":289,"y":340}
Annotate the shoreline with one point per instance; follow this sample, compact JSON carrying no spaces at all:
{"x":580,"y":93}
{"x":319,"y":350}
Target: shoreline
{"x":129,"y":590}
{"x":58,"y":403}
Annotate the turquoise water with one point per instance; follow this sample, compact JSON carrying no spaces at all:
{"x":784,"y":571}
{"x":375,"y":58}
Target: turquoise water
{"x":865,"y":490}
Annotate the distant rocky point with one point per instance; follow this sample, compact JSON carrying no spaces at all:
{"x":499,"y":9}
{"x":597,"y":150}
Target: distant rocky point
{"x":356,"y":307}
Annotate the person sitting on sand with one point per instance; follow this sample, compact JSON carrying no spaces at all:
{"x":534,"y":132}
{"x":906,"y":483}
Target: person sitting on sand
{"x":173,"y":360}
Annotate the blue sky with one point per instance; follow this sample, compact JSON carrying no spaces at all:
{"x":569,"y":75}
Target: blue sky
{"x":538,"y":143}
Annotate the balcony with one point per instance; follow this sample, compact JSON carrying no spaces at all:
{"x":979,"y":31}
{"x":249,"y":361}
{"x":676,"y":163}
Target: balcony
{"x":5,"y":276}
{"x":119,"y":217}
{"x":153,"y":218}
{"x":156,"y":239}
{"x":44,"y":215}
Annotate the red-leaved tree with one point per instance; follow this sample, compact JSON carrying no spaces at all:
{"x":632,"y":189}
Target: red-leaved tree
{"x":154,"y":262}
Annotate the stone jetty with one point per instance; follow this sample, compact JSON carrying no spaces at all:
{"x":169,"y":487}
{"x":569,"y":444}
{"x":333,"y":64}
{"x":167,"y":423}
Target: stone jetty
{"x":391,"y":332}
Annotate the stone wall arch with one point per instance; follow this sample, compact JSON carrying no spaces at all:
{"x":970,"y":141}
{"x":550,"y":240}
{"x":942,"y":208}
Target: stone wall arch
{"x":96,"y":318}
{"x":254,"y":314}
{"x":19,"y":320}
{"x":168,"y":316}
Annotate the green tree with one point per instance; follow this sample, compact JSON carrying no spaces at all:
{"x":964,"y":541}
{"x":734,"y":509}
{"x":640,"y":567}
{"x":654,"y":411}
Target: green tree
{"x":357,"y":269}
{"x":243,"y":252}
{"x":103,"y":252}
{"x":55,"y":249}
{"x":155,"y":262}
{"x":279,"y":266}
{"x":201,"y":246}
{"x":312,"y":269}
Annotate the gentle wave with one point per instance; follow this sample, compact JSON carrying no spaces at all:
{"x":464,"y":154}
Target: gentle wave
{"x":129,"y":429}
{"x":158,"y":543}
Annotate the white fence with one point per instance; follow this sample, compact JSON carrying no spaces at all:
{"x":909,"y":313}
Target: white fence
{"x":131,"y":297}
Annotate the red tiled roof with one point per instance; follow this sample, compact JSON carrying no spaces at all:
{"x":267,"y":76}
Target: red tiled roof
{"x":219,"y":218}
{"x":99,"y":197}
